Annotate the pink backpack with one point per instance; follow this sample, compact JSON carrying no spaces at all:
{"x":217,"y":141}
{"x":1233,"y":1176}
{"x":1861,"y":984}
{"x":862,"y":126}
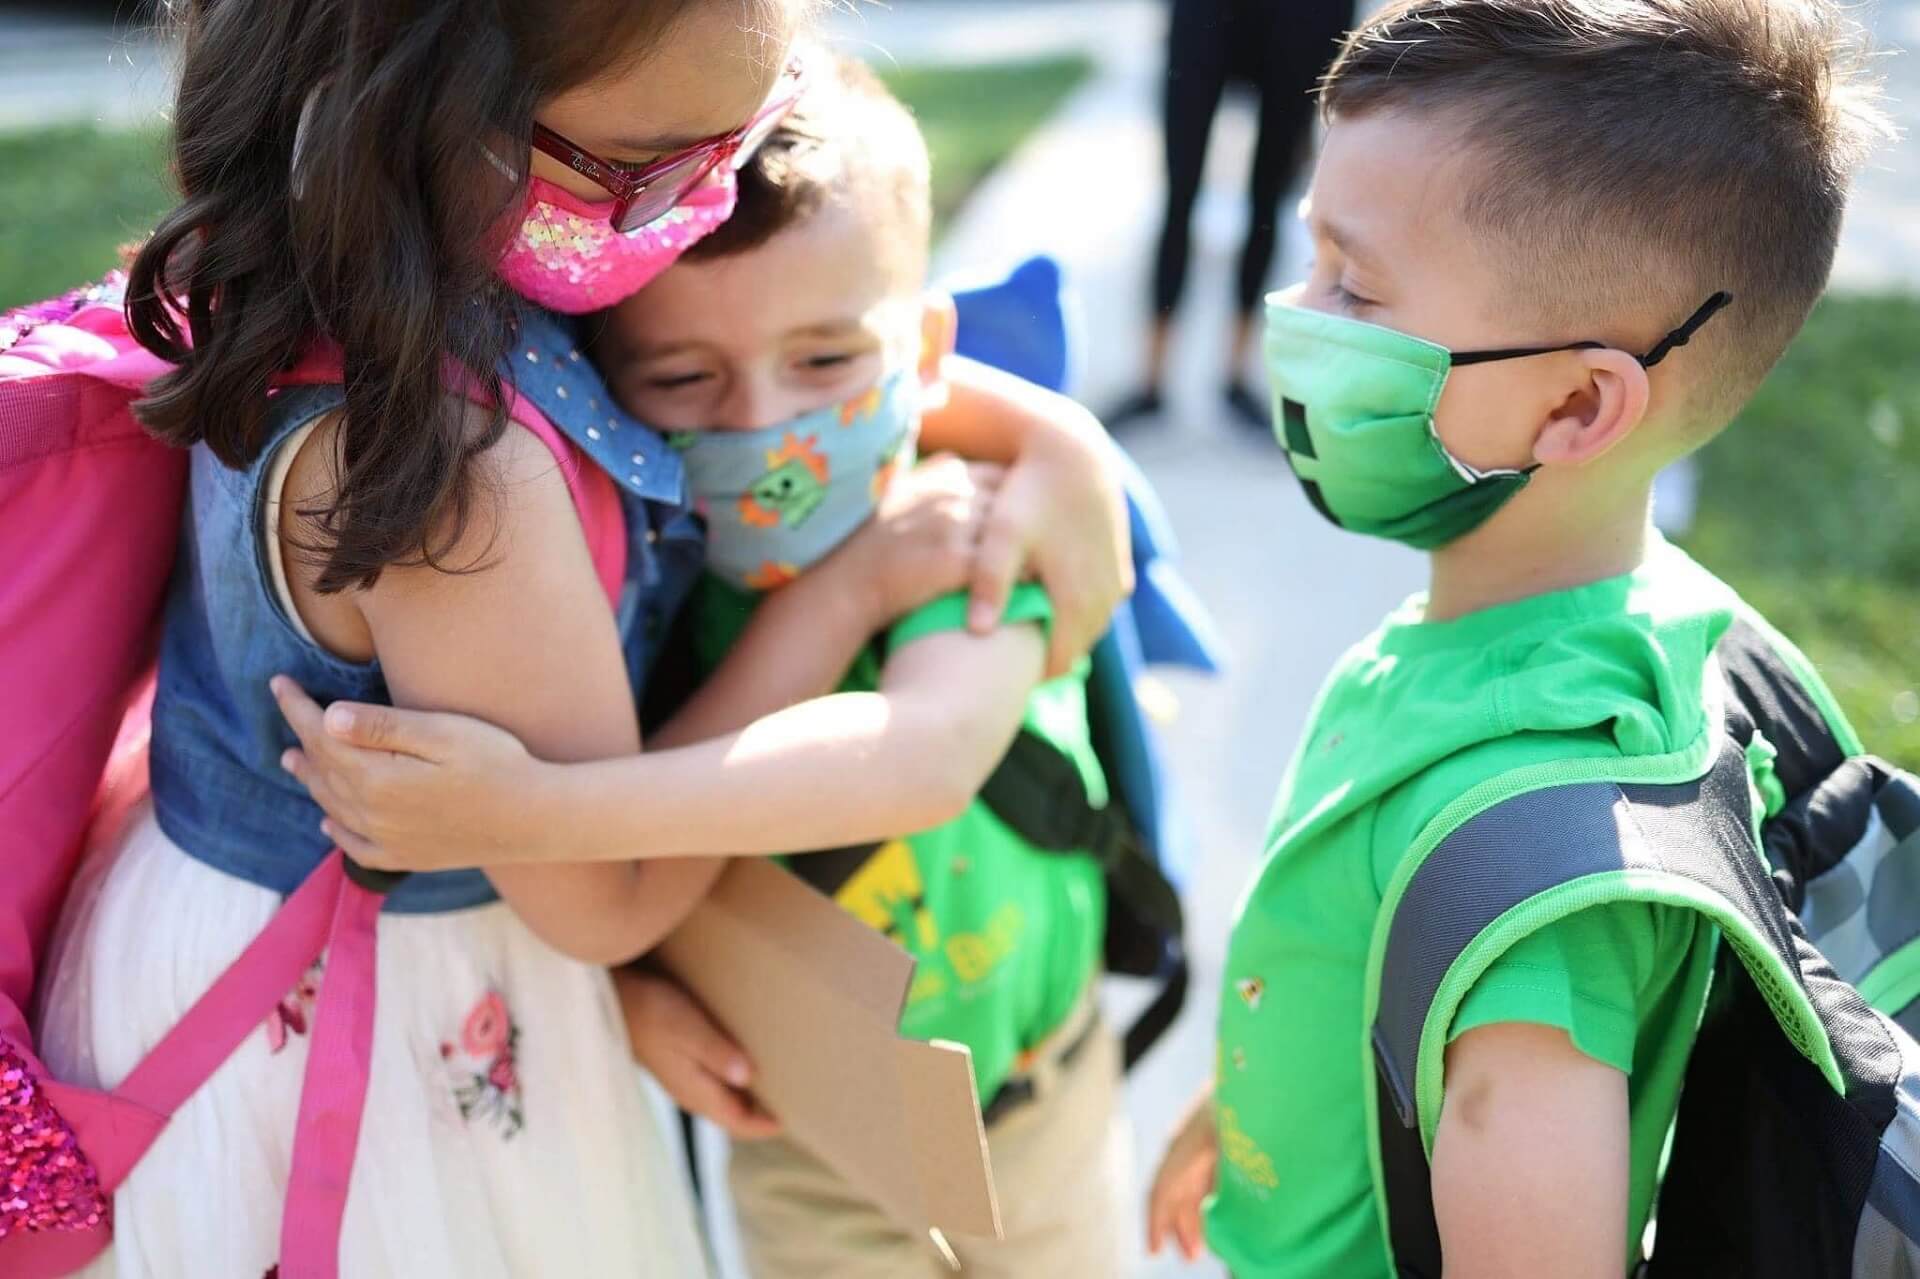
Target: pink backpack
{"x":89,"y":513}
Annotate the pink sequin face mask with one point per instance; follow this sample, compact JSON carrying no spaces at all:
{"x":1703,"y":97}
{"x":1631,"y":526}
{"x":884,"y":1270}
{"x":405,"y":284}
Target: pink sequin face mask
{"x":566,"y":256}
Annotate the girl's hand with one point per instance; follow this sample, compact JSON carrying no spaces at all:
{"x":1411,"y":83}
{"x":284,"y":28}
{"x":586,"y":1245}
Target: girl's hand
{"x":414,"y":790}
{"x":1061,"y":517}
{"x":921,"y":542}
{"x":701,"y":1068}
{"x":1184,"y":1180}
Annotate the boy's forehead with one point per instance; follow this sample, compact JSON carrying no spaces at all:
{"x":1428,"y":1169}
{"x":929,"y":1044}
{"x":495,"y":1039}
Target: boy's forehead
{"x":828,"y":271}
{"x":1389,"y":187}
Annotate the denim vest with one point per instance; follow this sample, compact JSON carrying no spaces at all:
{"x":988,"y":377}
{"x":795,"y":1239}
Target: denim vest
{"x":218,"y":789}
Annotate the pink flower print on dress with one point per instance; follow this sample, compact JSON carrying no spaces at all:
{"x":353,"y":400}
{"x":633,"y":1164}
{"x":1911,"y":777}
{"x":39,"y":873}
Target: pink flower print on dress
{"x":486,"y":1030}
{"x":295,"y":1012}
{"x":484,"y":1066}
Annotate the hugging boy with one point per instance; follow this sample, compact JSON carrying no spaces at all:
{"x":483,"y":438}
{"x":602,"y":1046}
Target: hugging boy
{"x":792,"y":351}
{"x":1559,"y":244}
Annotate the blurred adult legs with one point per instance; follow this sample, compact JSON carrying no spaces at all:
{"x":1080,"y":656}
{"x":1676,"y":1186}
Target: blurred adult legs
{"x":1280,"y":47}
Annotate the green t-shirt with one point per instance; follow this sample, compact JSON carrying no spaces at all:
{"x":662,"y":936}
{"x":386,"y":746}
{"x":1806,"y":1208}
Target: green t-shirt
{"x":1006,"y":936}
{"x":1410,"y":719}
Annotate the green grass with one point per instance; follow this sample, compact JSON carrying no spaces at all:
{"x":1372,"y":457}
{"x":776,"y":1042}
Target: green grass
{"x":71,"y":196}
{"x":974,"y":116}
{"x":1810,"y":507}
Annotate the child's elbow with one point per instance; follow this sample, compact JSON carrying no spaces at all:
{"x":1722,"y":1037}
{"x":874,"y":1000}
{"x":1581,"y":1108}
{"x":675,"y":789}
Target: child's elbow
{"x":961,"y":754}
{"x":598,"y":917}
{"x":926,"y":793}
{"x":942,"y":798}
{"x":608,"y":943}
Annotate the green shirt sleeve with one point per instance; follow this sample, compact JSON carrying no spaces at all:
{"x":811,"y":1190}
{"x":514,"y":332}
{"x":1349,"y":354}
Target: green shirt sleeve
{"x":1599,"y":974}
{"x":1028,"y":603}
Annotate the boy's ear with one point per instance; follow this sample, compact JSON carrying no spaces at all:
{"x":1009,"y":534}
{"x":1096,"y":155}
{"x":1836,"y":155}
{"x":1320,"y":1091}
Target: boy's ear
{"x":939,"y":326}
{"x":1603,"y":410}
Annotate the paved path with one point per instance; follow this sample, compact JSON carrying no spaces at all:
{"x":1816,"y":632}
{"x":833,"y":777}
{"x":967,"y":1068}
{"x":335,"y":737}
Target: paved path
{"x":58,"y":66}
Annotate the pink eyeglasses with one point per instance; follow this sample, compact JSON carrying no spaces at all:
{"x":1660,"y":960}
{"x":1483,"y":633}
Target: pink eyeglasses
{"x":642,"y":194}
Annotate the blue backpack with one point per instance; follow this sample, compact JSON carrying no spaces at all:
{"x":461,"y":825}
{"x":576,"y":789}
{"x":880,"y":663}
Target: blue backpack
{"x":1023,"y":325}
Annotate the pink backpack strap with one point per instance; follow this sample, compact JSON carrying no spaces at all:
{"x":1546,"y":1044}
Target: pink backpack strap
{"x":595,"y":498}
{"x":231,"y":1009}
{"x":333,"y":1095}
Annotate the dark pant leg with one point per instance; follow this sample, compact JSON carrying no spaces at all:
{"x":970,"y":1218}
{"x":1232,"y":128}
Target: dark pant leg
{"x":1197,"y":57}
{"x":1299,"y":37}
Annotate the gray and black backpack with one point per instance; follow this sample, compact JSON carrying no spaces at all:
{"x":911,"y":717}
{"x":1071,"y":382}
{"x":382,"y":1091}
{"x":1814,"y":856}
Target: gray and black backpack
{"x":1796,"y":1152}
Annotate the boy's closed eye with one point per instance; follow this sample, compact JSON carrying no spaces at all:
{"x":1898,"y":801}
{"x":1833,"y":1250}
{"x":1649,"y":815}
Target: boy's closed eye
{"x":836,"y":368}
{"x":1349,"y":299}
{"x":1332,"y":281}
{"x":677,"y":381}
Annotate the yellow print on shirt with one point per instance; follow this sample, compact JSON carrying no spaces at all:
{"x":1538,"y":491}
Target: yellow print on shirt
{"x":887,"y":895}
{"x":975,"y":955}
{"x":928,"y":983}
{"x":1244,"y":1153}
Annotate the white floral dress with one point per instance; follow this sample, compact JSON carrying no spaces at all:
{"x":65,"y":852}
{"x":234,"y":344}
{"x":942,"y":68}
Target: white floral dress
{"x":507,"y":1132}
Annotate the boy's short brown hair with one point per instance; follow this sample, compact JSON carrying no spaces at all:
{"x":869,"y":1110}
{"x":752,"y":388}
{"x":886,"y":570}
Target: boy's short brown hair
{"x":1637,"y":156}
{"x":848,"y":139}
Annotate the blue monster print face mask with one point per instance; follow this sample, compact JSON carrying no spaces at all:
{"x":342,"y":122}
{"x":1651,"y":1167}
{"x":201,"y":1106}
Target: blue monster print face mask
{"x":779,"y":498}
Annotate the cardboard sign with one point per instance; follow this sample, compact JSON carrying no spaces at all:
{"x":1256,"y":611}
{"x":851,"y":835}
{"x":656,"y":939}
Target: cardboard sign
{"x":814,"y":996}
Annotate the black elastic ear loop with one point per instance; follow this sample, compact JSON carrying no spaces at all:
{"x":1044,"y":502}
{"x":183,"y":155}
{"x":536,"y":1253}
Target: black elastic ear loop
{"x":1680,"y":336}
{"x":1665,"y":347}
{"x":1463,"y":358}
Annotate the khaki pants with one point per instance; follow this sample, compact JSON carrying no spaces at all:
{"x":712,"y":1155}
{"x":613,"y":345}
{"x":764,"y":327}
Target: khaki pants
{"x":1061,"y":1172}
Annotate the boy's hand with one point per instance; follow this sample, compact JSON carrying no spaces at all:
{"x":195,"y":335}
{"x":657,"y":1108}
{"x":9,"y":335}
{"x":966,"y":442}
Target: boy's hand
{"x":921,"y":541}
{"x":415,"y":790}
{"x":702,"y":1069}
{"x":1061,"y":517}
{"x":1530,"y":1162}
{"x":1184,"y":1180}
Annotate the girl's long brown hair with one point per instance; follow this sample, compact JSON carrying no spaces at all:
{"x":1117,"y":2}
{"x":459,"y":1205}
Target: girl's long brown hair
{"x":381,"y":236}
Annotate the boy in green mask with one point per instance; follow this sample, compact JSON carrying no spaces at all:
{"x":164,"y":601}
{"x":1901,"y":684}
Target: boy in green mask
{"x":1559,"y":243}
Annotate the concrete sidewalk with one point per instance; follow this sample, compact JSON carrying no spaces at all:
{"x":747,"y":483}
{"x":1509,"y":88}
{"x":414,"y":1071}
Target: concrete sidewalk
{"x":62,"y":67}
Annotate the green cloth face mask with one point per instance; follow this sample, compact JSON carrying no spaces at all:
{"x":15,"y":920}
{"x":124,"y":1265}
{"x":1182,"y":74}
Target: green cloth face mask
{"x":1353,"y":408}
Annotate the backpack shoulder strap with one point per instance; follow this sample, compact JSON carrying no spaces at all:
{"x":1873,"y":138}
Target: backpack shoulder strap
{"x":1526,"y":862}
{"x":1774,"y":689}
{"x":1037,"y":791}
